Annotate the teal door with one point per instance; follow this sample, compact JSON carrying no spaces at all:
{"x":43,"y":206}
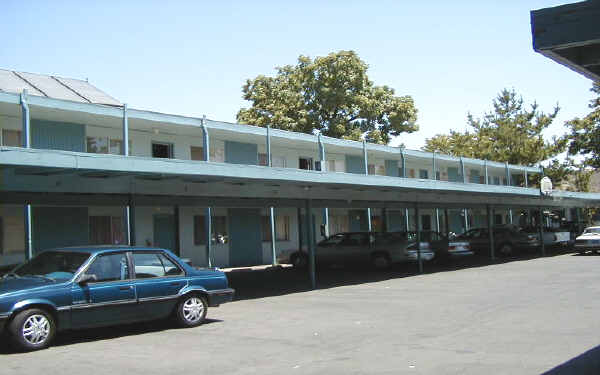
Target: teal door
{"x":358,"y":220}
{"x":57,"y":136}
{"x":241,"y":153}
{"x":59,"y":227}
{"x":355,"y":164}
{"x":453,"y":175}
{"x":245,"y":243}
{"x":164,"y":231}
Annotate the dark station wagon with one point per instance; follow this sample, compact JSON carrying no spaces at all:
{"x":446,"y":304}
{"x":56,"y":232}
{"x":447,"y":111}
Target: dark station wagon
{"x":84,"y":287}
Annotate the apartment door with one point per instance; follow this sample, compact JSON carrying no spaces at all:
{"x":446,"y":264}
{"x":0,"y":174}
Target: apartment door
{"x":164,"y":231}
{"x":245,"y":242}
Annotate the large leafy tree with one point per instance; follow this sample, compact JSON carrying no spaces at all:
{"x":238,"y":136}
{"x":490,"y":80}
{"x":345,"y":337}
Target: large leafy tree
{"x":511,"y":133}
{"x":332,"y":95}
{"x":584,"y":136}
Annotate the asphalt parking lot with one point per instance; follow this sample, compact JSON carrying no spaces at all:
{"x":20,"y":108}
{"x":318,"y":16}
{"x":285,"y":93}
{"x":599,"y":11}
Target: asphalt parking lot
{"x":525,"y":316}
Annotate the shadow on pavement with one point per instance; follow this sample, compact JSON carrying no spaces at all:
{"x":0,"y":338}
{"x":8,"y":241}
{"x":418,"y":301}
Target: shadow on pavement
{"x":587,"y":363}
{"x":276,"y":281}
{"x":104,"y":333}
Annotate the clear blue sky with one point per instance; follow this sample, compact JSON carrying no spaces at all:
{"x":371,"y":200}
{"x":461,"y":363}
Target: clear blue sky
{"x":192,"y":57}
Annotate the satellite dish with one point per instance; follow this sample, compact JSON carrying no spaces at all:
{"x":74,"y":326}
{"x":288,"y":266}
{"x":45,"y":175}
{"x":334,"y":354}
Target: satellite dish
{"x":546,"y":185}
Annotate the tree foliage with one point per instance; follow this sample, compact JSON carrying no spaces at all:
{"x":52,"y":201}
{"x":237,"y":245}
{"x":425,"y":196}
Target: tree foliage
{"x":330,"y":94}
{"x":584,"y":136}
{"x":510,"y":133}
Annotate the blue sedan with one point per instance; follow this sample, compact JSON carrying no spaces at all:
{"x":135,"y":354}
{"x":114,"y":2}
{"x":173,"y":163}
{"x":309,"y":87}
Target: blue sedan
{"x":84,"y":287}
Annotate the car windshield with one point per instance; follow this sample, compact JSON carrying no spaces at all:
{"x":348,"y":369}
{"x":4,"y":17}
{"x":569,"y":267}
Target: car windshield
{"x":591,"y":231}
{"x":52,"y":265}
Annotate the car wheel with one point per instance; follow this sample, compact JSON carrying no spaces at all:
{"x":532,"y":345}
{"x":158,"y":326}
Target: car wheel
{"x":191,"y":311}
{"x":381,"y":261}
{"x":505,"y":249}
{"x":32,"y":329}
{"x":299,"y":260}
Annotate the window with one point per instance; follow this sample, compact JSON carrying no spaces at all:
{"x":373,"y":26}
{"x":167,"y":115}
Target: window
{"x":218,"y":226}
{"x":148,"y":265}
{"x":474,"y":176}
{"x":110,"y":267}
{"x":105,"y":145}
{"x":355,"y":239}
{"x":423,"y":174}
{"x":162,"y":150}
{"x":496,"y":180}
{"x":306,"y":163}
{"x":106,"y":230}
{"x":278,"y":161}
{"x":411,"y":173}
{"x":11,"y":138}
{"x":196,"y":153}
{"x":282,"y":228}
{"x":262,"y":159}
{"x":437,"y":175}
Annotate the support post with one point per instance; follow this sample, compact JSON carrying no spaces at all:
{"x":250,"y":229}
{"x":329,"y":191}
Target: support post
{"x":541,"y":228}
{"x":510,"y":215}
{"x":406,"y":222}
{"x":366,"y":168}
{"x":485,"y":171}
{"x":462,"y":170}
{"x":26,"y":131}
{"x":300,"y":238}
{"x":403,"y":163}
{"x":177,"y":249}
{"x":466,"y":218}
{"x":273,"y":238}
{"x":437,"y":220}
{"x":28,"y":232}
{"x":131,"y":223}
{"x":311,"y":245}
{"x":269,"y":162}
{"x":446,"y":223}
{"x":434,"y":177}
{"x":490,"y":217}
{"x":125,"y":131}
{"x":507,"y":174}
{"x":526,"y":179}
{"x":208,"y":234}
{"x":323,"y":168}
{"x":419,"y":259}
{"x":207,"y":210}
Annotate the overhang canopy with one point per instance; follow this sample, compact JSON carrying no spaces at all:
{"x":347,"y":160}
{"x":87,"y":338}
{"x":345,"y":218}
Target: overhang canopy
{"x":570,"y":35}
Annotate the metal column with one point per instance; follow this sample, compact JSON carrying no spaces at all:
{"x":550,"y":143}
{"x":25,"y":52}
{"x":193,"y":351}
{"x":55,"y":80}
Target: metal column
{"x":419,"y":259}
{"x":311,"y":245}
{"x":510,"y":215}
{"x":541,"y":228}
{"x":366,"y":168}
{"x":437,"y":220}
{"x":466,"y":218}
{"x":273,"y":238}
{"x":490,"y":217}
{"x":131,"y":223}
{"x":526,"y":179}
{"x":324,"y":169}
{"x":28,"y":232}
{"x":434,"y":177}
{"x":507,"y":174}
{"x":127,"y":209}
{"x":26,"y":143}
{"x":207,"y":210}
{"x":177,"y":249}
{"x":485,"y":171}
{"x":446,"y":223}
{"x":462,"y":170}
{"x":406,"y":222}
{"x":300,"y":239}
{"x":26,"y":128}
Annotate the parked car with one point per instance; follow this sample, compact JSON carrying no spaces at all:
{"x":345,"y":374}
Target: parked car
{"x":588,"y":241}
{"x":83,"y":287}
{"x":375,"y":248}
{"x":507,"y":239}
{"x":440,"y":245}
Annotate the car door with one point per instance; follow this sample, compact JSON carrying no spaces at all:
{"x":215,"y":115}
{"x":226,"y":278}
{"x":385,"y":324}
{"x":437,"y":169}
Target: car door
{"x":353,"y":248}
{"x":326,"y":250}
{"x":110,"y":298}
{"x":158,"y":280}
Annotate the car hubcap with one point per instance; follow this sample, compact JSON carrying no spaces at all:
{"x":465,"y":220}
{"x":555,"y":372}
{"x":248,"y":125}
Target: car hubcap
{"x":193,"y":309}
{"x":36,"y":329}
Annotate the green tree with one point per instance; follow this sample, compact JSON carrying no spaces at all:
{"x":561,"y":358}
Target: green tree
{"x":330,"y":94}
{"x":512,"y":132}
{"x":584,"y":136}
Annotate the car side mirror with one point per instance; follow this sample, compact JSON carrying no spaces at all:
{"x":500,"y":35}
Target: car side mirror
{"x":86,"y":278}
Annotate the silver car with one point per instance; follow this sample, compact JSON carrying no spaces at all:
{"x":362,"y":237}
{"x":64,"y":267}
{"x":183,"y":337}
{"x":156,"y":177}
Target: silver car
{"x":380,"y":250}
{"x":589,"y":240}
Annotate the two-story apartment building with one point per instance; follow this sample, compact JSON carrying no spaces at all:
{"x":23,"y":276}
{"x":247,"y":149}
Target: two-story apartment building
{"x":47,"y":204}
